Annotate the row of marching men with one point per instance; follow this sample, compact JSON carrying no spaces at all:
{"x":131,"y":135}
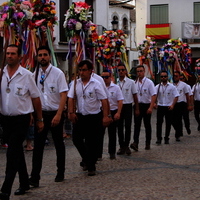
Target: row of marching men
{"x":94,"y":102}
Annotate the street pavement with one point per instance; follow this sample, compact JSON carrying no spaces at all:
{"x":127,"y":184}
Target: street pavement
{"x":162,"y":173}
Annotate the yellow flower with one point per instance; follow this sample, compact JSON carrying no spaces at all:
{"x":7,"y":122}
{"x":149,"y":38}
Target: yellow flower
{"x":53,"y":11}
{"x":5,"y":3}
{"x":108,"y":49}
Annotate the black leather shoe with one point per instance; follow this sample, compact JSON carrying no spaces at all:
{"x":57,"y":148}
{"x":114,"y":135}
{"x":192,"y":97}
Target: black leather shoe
{"x":4,"y":196}
{"x":33,"y":183}
{"x":21,"y":191}
{"x":134,"y":146}
{"x":59,"y":178}
{"x":121,"y":151}
{"x":91,"y":173}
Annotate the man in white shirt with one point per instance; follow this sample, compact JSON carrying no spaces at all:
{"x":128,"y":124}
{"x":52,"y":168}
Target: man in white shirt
{"x":196,"y":99}
{"x":53,"y":89}
{"x":186,"y":114}
{"x":167,"y":96}
{"x":182,"y":104}
{"x":19,"y":98}
{"x":116,"y":102}
{"x":146,"y":98}
{"x":129,"y":92}
{"x":86,"y":98}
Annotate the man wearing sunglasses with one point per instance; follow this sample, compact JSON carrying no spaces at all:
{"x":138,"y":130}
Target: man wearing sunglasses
{"x":116,"y":102}
{"x":129,"y":92}
{"x":53,"y":89}
{"x":166,"y":98}
{"x":146,"y":97}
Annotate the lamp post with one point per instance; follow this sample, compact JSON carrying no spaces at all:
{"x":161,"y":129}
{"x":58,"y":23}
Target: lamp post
{"x":114,"y":25}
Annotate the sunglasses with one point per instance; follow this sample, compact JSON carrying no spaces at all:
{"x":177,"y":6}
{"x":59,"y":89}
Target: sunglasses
{"x":42,"y":79}
{"x":121,"y":70}
{"x":163,"y":76}
{"x":140,"y":71}
{"x":82,"y":70}
{"x":106,"y":77}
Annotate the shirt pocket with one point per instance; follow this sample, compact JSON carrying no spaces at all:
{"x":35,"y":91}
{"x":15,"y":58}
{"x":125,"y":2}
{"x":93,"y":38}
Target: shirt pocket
{"x":52,"y":88}
{"x":20,"y":90}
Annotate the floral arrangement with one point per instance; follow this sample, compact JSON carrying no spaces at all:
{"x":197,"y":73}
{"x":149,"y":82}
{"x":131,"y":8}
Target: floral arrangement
{"x":176,"y":54}
{"x":44,"y":14}
{"x":197,"y":66}
{"x":146,"y":48}
{"x":111,"y":45}
{"x":15,"y":14}
{"x":77,"y":19}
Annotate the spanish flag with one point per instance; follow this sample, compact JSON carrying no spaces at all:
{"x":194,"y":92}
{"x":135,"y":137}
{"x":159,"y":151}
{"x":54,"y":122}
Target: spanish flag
{"x":158,"y":31}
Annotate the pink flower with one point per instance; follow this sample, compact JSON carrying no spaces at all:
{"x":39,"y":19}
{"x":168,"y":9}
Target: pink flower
{"x":20,"y":15}
{"x":4,"y":16}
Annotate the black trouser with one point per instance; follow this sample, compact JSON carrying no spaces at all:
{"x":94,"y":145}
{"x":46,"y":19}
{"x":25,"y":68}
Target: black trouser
{"x":112,"y":134}
{"x":125,"y":120}
{"x":163,"y":111}
{"x":147,"y":123}
{"x":197,"y":111}
{"x":39,"y":143}
{"x":186,"y":118}
{"x":178,"y":111}
{"x":85,"y":137}
{"x":15,"y":129}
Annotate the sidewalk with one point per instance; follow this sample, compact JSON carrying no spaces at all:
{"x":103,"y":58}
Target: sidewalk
{"x":164,"y":172}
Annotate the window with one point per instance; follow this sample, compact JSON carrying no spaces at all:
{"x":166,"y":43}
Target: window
{"x":125,"y":25}
{"x":196,"y":12}
{"x":159,"y":14}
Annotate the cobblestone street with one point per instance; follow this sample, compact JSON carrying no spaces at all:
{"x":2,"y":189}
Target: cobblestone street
{"x":164,"y":172}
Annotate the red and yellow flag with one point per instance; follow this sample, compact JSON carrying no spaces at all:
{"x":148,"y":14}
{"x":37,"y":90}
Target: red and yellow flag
{"x":158,"y":31}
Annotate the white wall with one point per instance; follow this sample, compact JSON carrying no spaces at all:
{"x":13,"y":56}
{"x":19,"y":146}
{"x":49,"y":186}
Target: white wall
{"x":179,"y":11}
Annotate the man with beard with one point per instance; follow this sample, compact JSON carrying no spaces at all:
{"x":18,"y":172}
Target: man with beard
{"x":167,"y":96}
{"x":53,"y":89}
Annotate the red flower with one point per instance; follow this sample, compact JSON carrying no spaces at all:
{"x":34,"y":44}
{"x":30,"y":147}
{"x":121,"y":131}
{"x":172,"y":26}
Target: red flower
{"x":82,"y":4}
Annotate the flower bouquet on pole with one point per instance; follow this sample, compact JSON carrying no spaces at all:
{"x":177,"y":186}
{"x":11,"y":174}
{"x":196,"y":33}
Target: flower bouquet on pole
{"x":41,"y":28}
{"x":111,"y":50}
{"x":77,"y":25}
{"x":15,"y":18}
{"x":148,"y":55}
{"x":175,"y":56}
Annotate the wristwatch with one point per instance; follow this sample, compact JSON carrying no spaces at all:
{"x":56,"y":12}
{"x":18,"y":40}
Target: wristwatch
{"x":40,"y":120}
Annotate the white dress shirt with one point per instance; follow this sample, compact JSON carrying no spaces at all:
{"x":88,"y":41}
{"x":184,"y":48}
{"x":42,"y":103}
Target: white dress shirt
{"x":54,"y":84}
{"x":128,"y":89}
{"x":166,"y":94}
{"x":182,"y":90}
{"x":17,"y":91}
{"x":196,"y":91}
{"x":115,"y":95}
{"x":145,"y":90}
{"x":88,"y":97}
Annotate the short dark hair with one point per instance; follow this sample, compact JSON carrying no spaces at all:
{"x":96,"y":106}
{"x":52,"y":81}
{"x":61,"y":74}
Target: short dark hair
{"x":44,"y":48}
{"x":140,"y":66}
{"x":107,"y":70}
{"x":177,"y":72}
{"x":121,"y":64}
{"x":164,"y":71}
{"x":86,"y":62}
{"x":19,"y":50}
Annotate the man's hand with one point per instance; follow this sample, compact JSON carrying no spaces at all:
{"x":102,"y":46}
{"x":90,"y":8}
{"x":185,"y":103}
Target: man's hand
{"x":72,"y":117}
